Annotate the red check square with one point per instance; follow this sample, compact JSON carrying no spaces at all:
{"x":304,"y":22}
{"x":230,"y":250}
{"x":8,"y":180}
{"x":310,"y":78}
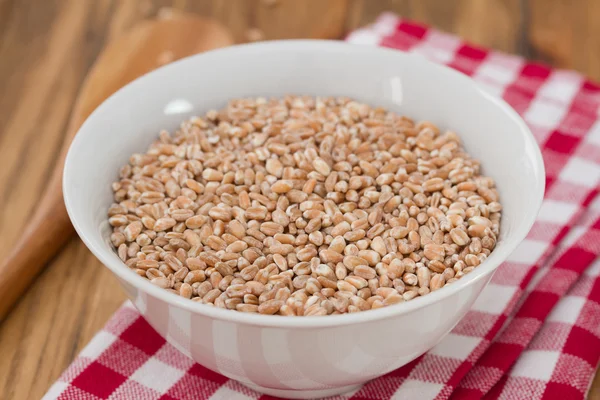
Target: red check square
{"x":99,"y":380}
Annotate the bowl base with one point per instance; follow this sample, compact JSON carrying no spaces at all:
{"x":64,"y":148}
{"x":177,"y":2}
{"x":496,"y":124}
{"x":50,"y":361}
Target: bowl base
{"x":304,"y":394}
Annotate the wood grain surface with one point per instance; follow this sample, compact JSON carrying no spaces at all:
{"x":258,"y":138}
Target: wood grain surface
{"x":46,"y":49}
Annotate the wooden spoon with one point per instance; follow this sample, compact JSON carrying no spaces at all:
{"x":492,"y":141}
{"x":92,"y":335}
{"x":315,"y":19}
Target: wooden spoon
{"x":147,"y":46}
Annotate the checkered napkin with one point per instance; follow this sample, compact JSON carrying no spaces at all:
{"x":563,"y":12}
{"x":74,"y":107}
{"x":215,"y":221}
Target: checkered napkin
{"x":534,"y":333}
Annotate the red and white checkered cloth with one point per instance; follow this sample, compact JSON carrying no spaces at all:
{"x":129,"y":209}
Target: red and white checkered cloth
{"x":535,"y":330}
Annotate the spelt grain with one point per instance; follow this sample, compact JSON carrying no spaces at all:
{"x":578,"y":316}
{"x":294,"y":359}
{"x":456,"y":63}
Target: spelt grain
{"x":303,"y":206}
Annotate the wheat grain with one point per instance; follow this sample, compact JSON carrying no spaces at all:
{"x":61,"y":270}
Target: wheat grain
{"x":303,"y":206}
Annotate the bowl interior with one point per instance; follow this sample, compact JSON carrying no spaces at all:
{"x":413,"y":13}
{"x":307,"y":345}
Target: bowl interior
{"x":407,"y":84}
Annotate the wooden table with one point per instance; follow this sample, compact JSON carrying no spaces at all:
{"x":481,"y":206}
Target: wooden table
{"x":46,"y":48}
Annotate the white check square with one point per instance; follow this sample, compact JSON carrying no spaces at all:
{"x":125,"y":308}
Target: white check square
{"x":225,"y":393}
{"x":545,"y":114}
{"x":573,"y":236}
{"x":442,"y":56}
{"x":157,"y":375}
{"x":581,"y":171}
{"x":386,"y":24}
{"x":55,"y":390}
{"x":594,"y":269}
{"x":536,"y":364}
{"x":438,"y":46}
{"x":593,"y":135}
{"x":567,"y":310}
{"x":494,"y":298}
{"x":364,"y":37}
{"x":412,"y":389}
{"x":558,"y":212}
{"x":492,"y":87}
{"x":561,"y":86}
{"x":528,"y":252}
{"x":99,"y":343}
{"x":456,"y":346}
{"x":498,"y":73}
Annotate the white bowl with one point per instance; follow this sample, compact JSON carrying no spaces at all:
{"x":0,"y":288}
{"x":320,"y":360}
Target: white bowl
{"x":302,"y":357}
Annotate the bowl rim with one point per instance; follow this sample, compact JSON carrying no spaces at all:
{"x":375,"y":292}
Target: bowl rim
{"x":104,"y":254}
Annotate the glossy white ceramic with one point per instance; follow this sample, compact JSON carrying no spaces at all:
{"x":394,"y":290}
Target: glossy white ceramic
{"x":302,"y":357}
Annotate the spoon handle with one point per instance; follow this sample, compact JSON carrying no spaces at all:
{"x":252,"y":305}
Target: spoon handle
{"x":148,"y":45}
